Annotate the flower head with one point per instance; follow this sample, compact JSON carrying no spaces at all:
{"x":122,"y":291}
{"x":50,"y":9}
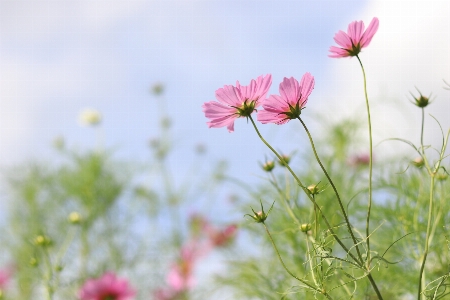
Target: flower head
{"x":288,"y":105}
{"x":354,"y":40}
{"x":421,"y":100}
{"x":90,"y":117}
{"x":235,"y":102}
{"x":107,"y":287}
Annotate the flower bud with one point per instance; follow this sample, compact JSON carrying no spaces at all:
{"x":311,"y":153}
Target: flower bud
{"x":157,"y":89}
{"x":90,"y":117}
{"x":418,"y":162}
{"x":260,"y":216}
{"x":420,"y":101}
{"x":441,"y":176}
{"x":305,"y":227}
{"x":313,"y":189}
{"x":42,"y":240}
{"x":286,"y":159}
{"x":34,"y":262}
{"x":74,"y":218}
{"x":268,"y":166}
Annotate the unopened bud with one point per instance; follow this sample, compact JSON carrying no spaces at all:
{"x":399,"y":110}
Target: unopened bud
{"x":441,"y":176}
{"x":158,"y":89}
{"x":42,"y":240}
{"x":74,"y":218}
{"x":418,"y":162}
{"x":286,"y":159}
{"x":420,"y":101}
{"x":313,"y":189}
{"x":305,"y":227}
{"x":268,"y":166}
{"x":33,"y":262}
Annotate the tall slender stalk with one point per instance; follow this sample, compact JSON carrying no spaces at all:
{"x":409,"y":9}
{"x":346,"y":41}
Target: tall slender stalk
{"x":369,"y":205}
{"x":350,"y":230}
{"x":330,"y":228}
{"x":427,"y":240}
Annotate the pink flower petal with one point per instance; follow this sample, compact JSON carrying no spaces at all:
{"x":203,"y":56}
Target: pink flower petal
{"x":236,"y":101}
{"x":370,"y":32}
{"x":307,"y":86}
{"x":342,"y":39}
{"x":338,"y":52}
{"x":279,"y":109}
{"x":289,"y":90}
{"x":352,"y":42}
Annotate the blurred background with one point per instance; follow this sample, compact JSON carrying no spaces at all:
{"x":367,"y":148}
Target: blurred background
{"x":58,"y":58}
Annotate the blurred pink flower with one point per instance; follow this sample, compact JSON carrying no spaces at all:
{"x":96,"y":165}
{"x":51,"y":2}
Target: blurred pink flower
{"x":360,"y":160}
{"x":5,"y":276}
{"x":164,"y":294}
{"x":354,"y":40}
{"x":235,"y":102}
{"x":294,"y":95}
{"x":107,"y":287}
{"x":219,"y":237}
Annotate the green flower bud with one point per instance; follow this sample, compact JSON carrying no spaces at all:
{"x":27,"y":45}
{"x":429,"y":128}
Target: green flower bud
{"x":313,"y":189}
{"x":34,"y":262}
{"x":260,"y":216}
{"x":286,"y":159}
{"x":441,"y":176}
{"x":418,"y":162}
{"x":305,"y":227}
{"x":420,"y":101}
{"x":74,"y":218}
{"x":42,"y":240}
{"x":268,"y":166}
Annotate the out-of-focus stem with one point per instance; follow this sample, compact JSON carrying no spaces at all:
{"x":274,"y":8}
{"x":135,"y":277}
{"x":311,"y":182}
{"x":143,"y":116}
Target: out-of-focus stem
{"x":290,"y":273}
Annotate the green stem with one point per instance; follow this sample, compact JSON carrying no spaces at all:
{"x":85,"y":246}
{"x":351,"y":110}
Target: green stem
{"x":369,"y":206}
{"x":330,"y":228}
{"x":335,"y":191}
{"x":290,"y":273}
{"x":421,"y":131}
{"x":310,"y":258}
{"x":427,"y":239}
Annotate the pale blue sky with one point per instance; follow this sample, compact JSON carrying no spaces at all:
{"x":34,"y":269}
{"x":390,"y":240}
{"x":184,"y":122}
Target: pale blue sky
{"x":59,"y":57}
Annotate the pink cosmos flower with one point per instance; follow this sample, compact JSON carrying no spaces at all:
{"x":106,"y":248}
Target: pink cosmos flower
{"x":219,"y":238}
{"x":235,"y":102}
{"x":354,"y":40}
{"x":107,"y":287}
{"x":289,"y":105}
{"x":5,"y":276}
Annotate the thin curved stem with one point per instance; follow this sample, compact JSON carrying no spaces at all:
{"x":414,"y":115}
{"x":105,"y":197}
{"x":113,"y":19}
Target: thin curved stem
{"x":427,"y":240}
{"x":369,"y":206}
{"x":290,"y":273}
{"x":334,"y":189}
{"x":330,"y":228}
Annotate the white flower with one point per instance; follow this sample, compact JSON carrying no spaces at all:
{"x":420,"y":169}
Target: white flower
{"x":90,"y":117}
